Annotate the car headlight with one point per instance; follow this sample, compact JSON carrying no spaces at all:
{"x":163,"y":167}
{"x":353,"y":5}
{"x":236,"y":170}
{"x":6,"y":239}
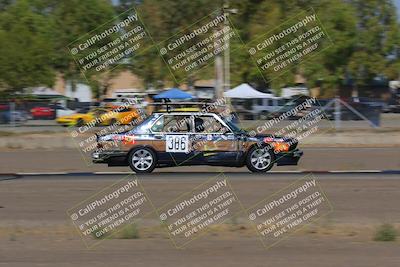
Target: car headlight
{"x":280,"y":147}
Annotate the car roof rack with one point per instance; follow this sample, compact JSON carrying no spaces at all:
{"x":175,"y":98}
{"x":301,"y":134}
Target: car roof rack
{"x":198,"y":104}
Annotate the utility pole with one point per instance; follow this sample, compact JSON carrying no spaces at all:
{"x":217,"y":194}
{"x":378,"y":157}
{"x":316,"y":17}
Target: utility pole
{"x":219,"y":90}
{"x":227,"y":77}
{"x":337,"y":113}
{"x":222,"y":68}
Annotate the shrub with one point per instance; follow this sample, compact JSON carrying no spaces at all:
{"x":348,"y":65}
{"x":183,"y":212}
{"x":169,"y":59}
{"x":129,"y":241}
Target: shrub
{"x":385,"y":232}
{"x":129,"y":232}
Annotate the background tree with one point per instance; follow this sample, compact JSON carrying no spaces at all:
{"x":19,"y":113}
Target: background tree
{"x":74,"y":19}
{"x":27,"y":48}
{"x":378,"y":40}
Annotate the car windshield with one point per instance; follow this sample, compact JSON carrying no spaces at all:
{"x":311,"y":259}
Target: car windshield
{"x":144,"y":126}
{"x":98,"y":111}
{"x":81,"y":110}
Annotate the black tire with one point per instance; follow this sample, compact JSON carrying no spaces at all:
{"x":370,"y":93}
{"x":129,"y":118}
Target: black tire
{"x":80,"y":122}
{"x":139,"y":160}
{"x":113,"y":121}
{"x":258,"y":166}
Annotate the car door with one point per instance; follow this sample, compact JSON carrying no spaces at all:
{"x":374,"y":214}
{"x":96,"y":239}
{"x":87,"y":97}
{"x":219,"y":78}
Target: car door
{"x":172,"y":138}
{"x":214,"y":140}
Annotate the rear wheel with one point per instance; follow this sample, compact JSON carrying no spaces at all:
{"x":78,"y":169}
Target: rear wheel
{"x":80,"y":122}
{"x":260,"y":159}
{"x":113,"y":122}
{"x":142,"y":160}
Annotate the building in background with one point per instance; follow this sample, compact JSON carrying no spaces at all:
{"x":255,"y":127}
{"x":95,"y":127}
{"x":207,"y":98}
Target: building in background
{"x":83,"y":92}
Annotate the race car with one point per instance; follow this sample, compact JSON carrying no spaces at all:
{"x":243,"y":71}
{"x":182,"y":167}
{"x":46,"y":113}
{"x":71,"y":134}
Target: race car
{"x":193,"y":138}
{"x":81,"y":118}
{"x":101,"y":116}
{"x":119,"y":115}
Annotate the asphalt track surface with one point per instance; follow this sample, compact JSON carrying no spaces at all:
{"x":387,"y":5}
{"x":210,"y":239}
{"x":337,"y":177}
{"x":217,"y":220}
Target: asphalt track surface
{"x":314,"y":159}
{"x":35,"y":230}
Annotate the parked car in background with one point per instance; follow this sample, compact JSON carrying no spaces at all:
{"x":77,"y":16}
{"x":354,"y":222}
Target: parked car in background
{"x":119,"y":115}
{"x":263,"y":107}
{"x":392,"y":106}
{"x":17,"y":116}
{"x":63,"y":111}
{"x":50,"y":112}
{"x":371,"y":102}
{"x":292,"y":92}
{"x":369,"y":108}
{"x":38,"y":113}
{"x":4,"y":107}
{"x":101,"y":116}
{"x":291,"y":105}
{"x":260,"y":108}
{"x":82,"y":118}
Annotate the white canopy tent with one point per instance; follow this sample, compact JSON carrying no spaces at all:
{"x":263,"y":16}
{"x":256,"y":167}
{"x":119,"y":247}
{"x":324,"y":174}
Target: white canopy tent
{"x":246,"y":91}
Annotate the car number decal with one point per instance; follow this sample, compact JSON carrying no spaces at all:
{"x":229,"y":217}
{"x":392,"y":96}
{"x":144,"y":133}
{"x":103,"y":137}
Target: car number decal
{"x":177,"y":143}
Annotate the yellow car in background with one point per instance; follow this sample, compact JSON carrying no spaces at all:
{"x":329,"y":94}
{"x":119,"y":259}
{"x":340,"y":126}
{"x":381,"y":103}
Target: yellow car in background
{"x":101,"y":116}
{"x":119,"y":115}
{"x":80,"y":119}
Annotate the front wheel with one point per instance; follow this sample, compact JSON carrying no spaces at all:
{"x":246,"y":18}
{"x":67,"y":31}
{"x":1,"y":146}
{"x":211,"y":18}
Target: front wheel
{"x":260,"y":159}
{"x":113,"y":122}
{"x":142,"y":160}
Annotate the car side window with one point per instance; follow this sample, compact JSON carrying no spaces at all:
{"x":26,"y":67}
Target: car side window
{"x":172,"y":124}
{"x":158,"y":126}
{"x":208,"y":124}
{"x":177,"y":124}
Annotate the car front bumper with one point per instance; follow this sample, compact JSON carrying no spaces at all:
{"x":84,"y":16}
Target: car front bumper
{"x":66,"y":122}
{"x":288,"y":158}
{"x":110,"y":157}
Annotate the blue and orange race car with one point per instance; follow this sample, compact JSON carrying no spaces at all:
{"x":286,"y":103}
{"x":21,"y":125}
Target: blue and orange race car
{"x":193,"y":138}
